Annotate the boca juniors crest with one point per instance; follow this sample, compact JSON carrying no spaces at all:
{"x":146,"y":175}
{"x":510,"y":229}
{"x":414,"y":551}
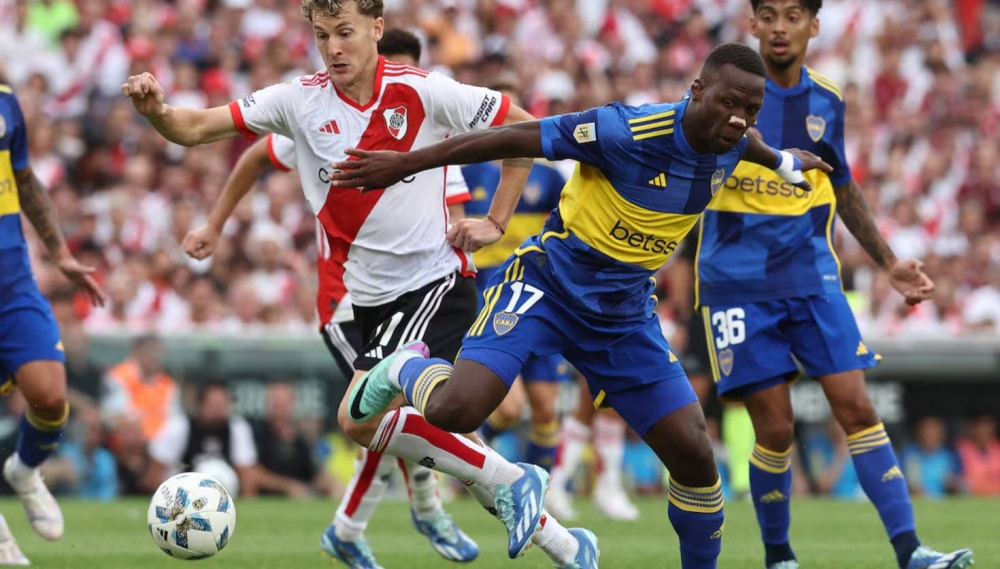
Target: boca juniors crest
{"x":395,"y":121}
{"x":815,"y":126}
{"x":504,"y":322}
{"x":726,"y":361}
{"x":717,"y":179}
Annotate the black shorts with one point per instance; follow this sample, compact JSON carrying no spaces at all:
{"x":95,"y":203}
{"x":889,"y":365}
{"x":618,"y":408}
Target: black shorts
{"x":438,"y":314}
{"x":343,"y":339}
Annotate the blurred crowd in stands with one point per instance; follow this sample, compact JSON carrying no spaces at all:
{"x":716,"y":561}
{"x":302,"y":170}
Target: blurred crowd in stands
{"x":921,"y":79}
{"x":922,"y":83}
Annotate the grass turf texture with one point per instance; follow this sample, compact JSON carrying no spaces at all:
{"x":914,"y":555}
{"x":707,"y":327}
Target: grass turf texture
{"x":278,"y":534}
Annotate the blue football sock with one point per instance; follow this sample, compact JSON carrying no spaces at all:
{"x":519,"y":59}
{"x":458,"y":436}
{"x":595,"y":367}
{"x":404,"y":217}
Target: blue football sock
{"x":771,"y":488}
{"x":39,"y":437}
{"x":697,"y":517}
{"x":882,"y":480}
{"x":543,"y":441}
{"x":418,"y":378}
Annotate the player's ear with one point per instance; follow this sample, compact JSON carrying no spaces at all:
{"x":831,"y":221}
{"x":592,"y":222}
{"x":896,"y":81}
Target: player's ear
{"x":814,"y":27}
{"x":379,"y":28}
{"x":696,"y":89}
{"x":753,"y":27}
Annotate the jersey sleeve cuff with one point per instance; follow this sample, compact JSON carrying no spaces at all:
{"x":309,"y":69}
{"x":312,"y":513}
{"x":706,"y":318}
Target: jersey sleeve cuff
{"x":502,"y":113}
{"x":840,"y":180}
{"x":549,"y":131}
{"x":463,"y":197}
{"x":241,"y":125}
{"x":275,"y":161}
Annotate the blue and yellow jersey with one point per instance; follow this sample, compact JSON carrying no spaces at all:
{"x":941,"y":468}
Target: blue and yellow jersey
{"x":638,"y":190}
{"x":14,"y":263}
{"x":539,"y":198}
{"x":762,"y":238}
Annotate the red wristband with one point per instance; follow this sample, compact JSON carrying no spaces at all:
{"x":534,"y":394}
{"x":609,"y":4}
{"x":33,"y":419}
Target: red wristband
{"x":495,"y":224}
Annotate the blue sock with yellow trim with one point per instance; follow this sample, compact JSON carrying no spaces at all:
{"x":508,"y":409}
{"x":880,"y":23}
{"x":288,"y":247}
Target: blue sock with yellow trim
{"x":543,"y":442}
{"x":771,"y":489}
{"x":419,"y":376}
{"x":882,"y":480}
{"x":697,"y":517}
{"x":39,"y":437}
{"x":490,"y":430}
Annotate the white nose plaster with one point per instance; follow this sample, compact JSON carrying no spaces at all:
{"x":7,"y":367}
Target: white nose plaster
{"x":737,"y":121}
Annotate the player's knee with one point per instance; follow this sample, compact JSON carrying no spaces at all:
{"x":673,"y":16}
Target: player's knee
{"x":776,"y":435}
{"x":856,"y":414}
{"x":49,"y":405}
{"x":361,"y":433}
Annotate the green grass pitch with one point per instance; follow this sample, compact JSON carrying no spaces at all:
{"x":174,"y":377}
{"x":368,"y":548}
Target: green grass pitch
{"x":284,"y":535}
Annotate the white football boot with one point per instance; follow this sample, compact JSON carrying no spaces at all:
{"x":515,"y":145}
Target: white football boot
{"x":10,"y":553}
{"x":39,"y":504}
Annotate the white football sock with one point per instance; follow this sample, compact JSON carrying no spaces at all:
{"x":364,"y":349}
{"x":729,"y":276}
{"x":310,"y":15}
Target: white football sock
{"x":422,"y":485}
{"x":609,"y":443}
{"x":371,"y":477}
{"x":575,"y":436}
{"x":406,"y":434}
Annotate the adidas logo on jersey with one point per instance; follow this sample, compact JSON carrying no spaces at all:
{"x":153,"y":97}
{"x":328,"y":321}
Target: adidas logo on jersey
{"x":659,"y":181}
{"x":330,"y":128}
{"x":772,"y":497}
{"x":862,"y":349}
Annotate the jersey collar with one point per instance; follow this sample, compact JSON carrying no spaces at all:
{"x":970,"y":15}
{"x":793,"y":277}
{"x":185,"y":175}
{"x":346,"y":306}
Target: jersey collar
{"x":773,"y":89}
{"x":376,"y":91}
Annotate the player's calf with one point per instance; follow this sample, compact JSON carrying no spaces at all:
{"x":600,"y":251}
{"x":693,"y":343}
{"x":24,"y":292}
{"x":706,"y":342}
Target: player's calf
{"x":43,"y":385}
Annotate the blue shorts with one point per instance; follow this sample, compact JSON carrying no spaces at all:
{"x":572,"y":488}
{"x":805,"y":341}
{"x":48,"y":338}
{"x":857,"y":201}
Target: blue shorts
{"x":751,"y":345}
{"x":546,"y":369}
{"x":28,"y":332}
{"x":628,"y":365}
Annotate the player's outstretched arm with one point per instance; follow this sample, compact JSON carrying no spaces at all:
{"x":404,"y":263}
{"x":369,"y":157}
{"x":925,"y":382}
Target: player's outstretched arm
{"x":200,"y":243}
{"x":37,"y":207}
{"x":187,"y":127}
{"x":789,"y":164}
{"x":381,"y":169}
{"x":907,"y":275}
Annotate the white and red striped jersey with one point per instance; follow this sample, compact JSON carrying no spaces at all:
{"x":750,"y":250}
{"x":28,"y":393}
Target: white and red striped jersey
{"x":332,"y":296}
{"x":387,"y":241}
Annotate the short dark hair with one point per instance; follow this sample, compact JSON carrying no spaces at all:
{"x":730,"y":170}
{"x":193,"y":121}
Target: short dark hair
{"x":333,"y":8}
{"x":812,"y":5}
{"x":735,"y":54}
{"x":397,"y":41}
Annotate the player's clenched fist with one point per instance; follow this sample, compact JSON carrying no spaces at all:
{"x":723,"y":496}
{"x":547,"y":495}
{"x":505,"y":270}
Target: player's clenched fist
{"x":201,"y":242}
{"x":473,"y":234}
{"x":146,"y":93}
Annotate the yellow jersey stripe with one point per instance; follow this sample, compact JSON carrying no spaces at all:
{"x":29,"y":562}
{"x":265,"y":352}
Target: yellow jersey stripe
{"x":653,"y":134}
{"x":648,"y":126}
{"x":648,"y":118}
{"x":5,"y":88}
{"x":713,"y":363}
{"x":825,"y":83}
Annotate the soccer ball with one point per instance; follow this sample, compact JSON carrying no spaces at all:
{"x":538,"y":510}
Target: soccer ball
{"x":191,"y":516}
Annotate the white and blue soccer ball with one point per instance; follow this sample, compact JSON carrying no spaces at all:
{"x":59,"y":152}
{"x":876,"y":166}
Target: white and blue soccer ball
{"x":191,"y":516}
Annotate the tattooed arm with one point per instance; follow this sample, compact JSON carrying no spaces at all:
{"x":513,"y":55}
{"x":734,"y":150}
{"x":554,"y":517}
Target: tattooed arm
{"x":37,"y":207}
{"x":907,"y":276}
{"x":853,"y":210}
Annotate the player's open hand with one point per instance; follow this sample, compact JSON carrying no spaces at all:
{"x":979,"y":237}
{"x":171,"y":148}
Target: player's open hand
{"x":908,"y":277}
{"x":80,"y":276}
{"x":201,"y":242}
{"x":146,"y":94}
{"x":473,"y":234}
{"x":368,"y":170}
